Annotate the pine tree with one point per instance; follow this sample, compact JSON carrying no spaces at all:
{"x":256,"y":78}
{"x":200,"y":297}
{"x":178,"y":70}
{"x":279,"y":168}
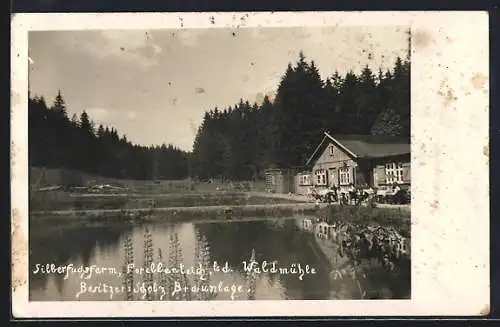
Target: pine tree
{"x":100,"y":131}
{"x":59,"y":106}
{"x":394,"y":118}
{"x":366,"y":102}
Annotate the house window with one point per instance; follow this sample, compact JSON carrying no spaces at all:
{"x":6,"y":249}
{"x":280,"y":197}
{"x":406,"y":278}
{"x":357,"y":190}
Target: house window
{"x":394,"y":173}
{"x":331,"y":150}
{"x":345,"y":176}
{"x":320,"y":177}
{"x":304,"y":179}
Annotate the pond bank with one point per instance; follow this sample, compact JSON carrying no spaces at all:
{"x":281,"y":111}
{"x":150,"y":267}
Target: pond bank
{"x":57,"y":201}
{"x":180,"y":213}
{"x":398,"y":218}
{"x":196,"y":206}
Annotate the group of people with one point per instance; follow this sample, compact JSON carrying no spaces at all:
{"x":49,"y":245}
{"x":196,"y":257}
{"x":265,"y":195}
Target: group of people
{"x":345,"y":195}
{"x":356,"y":195}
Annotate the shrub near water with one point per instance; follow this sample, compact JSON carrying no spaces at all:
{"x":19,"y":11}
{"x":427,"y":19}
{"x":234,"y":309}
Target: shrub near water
{"x":394,"y":217}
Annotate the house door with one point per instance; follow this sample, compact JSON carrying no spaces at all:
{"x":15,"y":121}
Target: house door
{"x":332,"y":178}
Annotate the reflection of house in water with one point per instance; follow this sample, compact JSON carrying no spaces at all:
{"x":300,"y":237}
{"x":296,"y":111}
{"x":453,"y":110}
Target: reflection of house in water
{"x":307,"y":224}
{"x":322,"y":230}
{"x":381,"y":243}
{"x":402,"y":246}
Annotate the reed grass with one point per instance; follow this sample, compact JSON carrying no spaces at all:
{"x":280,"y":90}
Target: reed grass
{"x":148,"y":260}
{"x":128,"y":276}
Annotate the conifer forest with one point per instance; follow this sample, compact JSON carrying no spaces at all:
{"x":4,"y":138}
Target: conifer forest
{"x":237,"y":142}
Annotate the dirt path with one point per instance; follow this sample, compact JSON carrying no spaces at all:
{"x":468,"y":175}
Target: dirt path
{"x":294,"y":197}
{"x":305,"y":198}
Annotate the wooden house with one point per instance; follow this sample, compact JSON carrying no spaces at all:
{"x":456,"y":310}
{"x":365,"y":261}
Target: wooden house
{"x":280,"y":180}
{"x":361,"y":160}
{"x":296,"y":180}
{"x":303,"y":181}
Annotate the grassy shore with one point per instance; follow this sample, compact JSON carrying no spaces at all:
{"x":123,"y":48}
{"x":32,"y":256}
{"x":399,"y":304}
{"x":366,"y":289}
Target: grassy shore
{"x":184,"y":201}
{"x":388,"y":217}
{"x":178,"y":214}
{"x":145,"y":201}
{"x":46,"y":177}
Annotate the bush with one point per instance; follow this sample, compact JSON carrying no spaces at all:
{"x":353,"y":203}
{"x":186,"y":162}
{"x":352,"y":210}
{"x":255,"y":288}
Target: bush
{"x":401,"y":197}
{"x":393,"y":217}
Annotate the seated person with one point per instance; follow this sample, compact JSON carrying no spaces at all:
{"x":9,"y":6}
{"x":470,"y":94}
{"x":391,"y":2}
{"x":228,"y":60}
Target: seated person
{"x":333,"y":194}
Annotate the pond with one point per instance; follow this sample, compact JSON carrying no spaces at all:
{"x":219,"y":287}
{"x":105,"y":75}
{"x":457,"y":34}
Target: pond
{"x":183,"y":256}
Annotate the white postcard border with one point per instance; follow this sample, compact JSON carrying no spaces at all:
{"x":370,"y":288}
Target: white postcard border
{"x":450,"y":177}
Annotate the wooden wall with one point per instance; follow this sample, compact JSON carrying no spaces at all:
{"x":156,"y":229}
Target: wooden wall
{"x":332,"y":164}
{"x":379,"y":170}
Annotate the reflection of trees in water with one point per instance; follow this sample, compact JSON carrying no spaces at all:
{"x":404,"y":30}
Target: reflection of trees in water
{"x":148,"y":260}
{"x":367,"y":261}
{"x":66,"y":245}
{"x":162,"y":278}
{"x":202,"y":258}
{"x":59,"y":282}
{"x":251,"y":280}
{"x":233,"y":242}
{"x":128,"y":276}
{"x":165,"y":280}
{"x":175,"y":259}
{"x":87,"y":255}
{"x":108,"y":245}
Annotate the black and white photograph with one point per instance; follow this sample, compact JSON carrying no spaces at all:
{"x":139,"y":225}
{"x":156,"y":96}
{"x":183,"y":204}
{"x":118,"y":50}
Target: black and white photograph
{"x":222,"y":163}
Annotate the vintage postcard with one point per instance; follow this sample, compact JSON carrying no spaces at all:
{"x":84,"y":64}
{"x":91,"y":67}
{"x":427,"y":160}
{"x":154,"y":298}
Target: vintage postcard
{"x":251,"y":164}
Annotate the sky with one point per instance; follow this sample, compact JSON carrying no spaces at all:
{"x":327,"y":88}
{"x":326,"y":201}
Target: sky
{"x":155,"y":85}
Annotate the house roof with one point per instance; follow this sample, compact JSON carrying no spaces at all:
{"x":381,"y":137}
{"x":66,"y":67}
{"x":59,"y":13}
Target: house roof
{"x":365,"y":146}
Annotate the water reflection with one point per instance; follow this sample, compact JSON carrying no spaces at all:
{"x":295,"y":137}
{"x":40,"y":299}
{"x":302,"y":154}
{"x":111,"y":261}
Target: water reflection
{"x":61,"y":246}
{"x":342,"y":271}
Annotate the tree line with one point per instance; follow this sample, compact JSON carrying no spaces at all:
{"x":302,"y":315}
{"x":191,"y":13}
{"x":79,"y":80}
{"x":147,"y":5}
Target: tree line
{"x":57,"y":141}
{"x":238,"y":142}
{"x":241,"y":141}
